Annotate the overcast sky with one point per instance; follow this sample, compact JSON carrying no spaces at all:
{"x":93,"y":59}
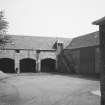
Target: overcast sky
{"x":58,"y":18}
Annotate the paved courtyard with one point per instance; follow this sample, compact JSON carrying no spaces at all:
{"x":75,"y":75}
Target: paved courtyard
{"x":48,"y":89}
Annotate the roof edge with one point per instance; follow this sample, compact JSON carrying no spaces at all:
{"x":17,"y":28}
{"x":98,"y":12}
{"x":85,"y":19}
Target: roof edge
{"x":100,"y":21}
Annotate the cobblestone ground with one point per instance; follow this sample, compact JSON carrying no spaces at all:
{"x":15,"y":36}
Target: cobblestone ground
{"x":48,"y":89}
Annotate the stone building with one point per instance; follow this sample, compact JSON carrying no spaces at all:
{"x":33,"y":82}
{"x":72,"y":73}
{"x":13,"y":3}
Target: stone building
{"x":84,"y":54}
{"x":31,"y":54}
{"x":79,"y":55}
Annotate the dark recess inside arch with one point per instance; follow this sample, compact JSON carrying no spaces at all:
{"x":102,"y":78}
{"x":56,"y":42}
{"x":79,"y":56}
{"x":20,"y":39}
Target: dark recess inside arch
{"x":7,"y":65}
{"x":27,"y":65}
{"x":48,"y":65}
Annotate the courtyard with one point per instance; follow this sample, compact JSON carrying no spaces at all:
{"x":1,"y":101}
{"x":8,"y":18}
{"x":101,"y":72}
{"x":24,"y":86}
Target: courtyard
{"x":48,"y":89}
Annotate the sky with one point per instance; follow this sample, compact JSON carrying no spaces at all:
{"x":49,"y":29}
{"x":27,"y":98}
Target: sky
{"x":53,"y":18}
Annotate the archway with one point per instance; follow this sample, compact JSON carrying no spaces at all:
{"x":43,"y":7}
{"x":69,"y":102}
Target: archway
{"x":7,"y":65}
{"x":27,"y":65}
{"x":48,"y":65}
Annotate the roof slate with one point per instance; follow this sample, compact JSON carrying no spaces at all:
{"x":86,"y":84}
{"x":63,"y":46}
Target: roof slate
{"x":91,"y":39}
{"x":99,"y":21}
{"x":34,"y":42}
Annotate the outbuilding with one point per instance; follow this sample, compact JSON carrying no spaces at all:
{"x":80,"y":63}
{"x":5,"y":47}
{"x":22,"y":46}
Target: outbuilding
{"x":84,"y":53}
{"x":30,"y":54}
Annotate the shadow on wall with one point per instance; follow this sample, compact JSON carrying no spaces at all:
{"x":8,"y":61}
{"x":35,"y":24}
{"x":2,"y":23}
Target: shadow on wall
{"x":27,"y":65}
{"x":7,"y":65}
{"x":48,"y":65}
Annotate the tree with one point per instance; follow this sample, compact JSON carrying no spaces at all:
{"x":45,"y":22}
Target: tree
{"x":3,"y":29}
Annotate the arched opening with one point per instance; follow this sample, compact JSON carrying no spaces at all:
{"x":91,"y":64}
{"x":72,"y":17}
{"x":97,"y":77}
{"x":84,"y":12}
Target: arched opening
{"x":7,"y":65}
{"x":48,"y":65}
{"x":27,"y":65}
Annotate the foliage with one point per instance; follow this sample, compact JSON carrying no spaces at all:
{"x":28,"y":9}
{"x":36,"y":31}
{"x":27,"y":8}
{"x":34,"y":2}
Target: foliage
{"x":3,"y":29}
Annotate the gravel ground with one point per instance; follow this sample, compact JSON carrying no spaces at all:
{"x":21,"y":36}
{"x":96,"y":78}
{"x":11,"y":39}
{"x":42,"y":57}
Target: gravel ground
{"x":48,"y":89}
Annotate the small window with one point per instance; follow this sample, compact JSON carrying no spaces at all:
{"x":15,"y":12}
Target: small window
{"x":17,"y":51}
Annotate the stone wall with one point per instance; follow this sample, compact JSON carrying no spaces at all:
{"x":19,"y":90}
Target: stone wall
{"x":17,"y":56}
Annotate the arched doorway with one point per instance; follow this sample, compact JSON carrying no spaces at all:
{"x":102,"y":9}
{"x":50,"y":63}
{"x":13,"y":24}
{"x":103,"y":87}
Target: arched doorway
{"x":27,"y":65}
{"x":48,"y":65}
{"x":7,"y":65}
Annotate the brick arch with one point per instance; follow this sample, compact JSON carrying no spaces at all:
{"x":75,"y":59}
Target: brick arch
{"x":48,"y":65}
{"x":7,"y":65}
{"x":27,"y":65}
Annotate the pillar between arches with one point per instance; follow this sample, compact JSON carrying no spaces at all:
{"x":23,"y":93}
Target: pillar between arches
{"x":38,"y":61}
{"x":17,"y":60}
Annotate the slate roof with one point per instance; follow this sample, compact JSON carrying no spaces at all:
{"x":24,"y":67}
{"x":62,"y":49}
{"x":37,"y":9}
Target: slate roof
{"x":91,"y":39}
{"x":99,"y":21}
{"x":34,"y":42}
